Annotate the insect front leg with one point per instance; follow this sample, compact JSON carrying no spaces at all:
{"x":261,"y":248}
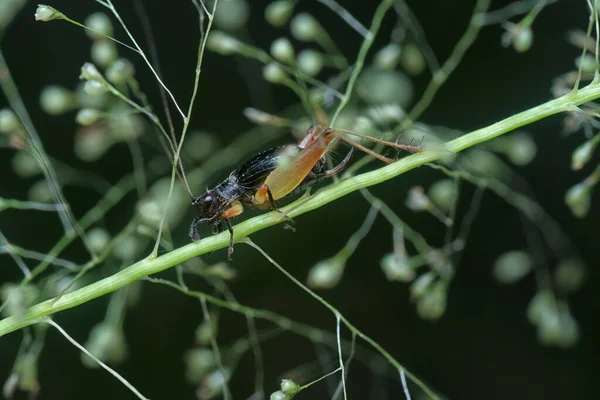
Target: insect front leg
{"x":194,"y":234}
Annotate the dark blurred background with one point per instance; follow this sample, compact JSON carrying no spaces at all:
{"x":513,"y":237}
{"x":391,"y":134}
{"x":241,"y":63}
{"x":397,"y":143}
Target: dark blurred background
{"x":483,"y":347}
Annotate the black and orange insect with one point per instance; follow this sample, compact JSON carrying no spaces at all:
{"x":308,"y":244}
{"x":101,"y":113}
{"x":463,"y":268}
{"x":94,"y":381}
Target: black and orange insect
{"x":276,"y":173}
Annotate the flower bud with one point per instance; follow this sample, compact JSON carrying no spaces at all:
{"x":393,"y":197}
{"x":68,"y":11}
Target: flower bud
{"x":56,"y":100}
{"x":278,"y":12}
{"x":99,"y":26}
{"x":97,"y":239}
{"x":388,"y":57}
{"x":223,"y":43}
{"x":412,"y":60}
{"x":40,"y":192}
{"x":9,"y":122}
{"x":205,"y":332}
{"x":25,"y":165}
{"x":279,"y":395}
{"x":305,"y":27}
{"x":128,"y":248}
{"x":432,"y":305}
{"x":107,"y":343}
{"x":397,"y":267}
{"x":91,"y":143}
{"x":587,"y":63}
{"x":94,"y":88}
{"x":46,"y":13}
{"x":310,"y":62}
{"x":522,"y":39}
{"x":579,"y":199}
{"x":569,"y":276}
{"x":283,"y":51}
{"x":421,"y":285}
{"x":200,"y":145}
{"x":326,"y":274}
{"x":88,"y":116}
{"x":120,"y":71}
{"x":104,"y":52}
{"x":89,"y":72}
{"x":512,"y":266}
{"x":417,"y":200}
{"x":199,"y":362}
{"x":444,"y":194}
{"x":16,"y":299}
{"x":289,"y":387}
{"x":231,"y":15}
{"x":583,"y":153}
{"x":521,"y":149}
{"x":378,"y":87}
{"x":273,"y":73}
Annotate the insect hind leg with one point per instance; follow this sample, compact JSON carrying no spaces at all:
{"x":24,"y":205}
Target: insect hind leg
{"x":264,"y":189}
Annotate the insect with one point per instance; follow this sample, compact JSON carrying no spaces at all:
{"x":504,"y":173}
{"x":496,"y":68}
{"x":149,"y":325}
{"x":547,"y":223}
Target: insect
{"x":274,"y":174}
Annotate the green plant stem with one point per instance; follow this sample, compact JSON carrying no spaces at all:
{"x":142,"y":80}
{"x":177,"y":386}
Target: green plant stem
{"x":321,"y":198}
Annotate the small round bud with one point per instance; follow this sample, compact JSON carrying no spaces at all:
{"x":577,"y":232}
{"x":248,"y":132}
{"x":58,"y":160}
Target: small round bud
{"x":278,"y":12}
{"x":412,"y":60}
{"x":91,"y":143}
{"x":28,"y":372}
{"x":90,"y":72}
{"x":522,"y":39}
{"x":128,"y":248}
{"x":107,"y":343}
{"x":444,"y":194}
{"x":432,"y":305}
{"x":583,"y":153}
{"x":378,"y":87}
{"x":538,"y":305}
{"x":485,"y":162}
{"x":40,"y":192}
{"x":397,"y":268}
{"x":205,"y":332}
{"x":305,"y":27}
{"x":512,"y":266}
{"x":88,"y":116}
{"x":199,"y":362}
{"x":94,"y":88}
{"x":231,"y":15}
{"x":200,"y":145}
{"x":326,"y":274}
{"x":99,"y":26}
{"x":97,"y":239}
{"x":289,"y":387}
{"x":104,"y":52}
{"x":46,"y":13}
{"x":421,"y":285}
{"x":123,"y":126}
{"x":521,"y":149}
{"x":279,"y":395}
{"x":120,"y":71}
{"x":9,"y":121}
{"x":56,"y":100}
{"x":16,"y":299}
{"x":283,"y":51}
{"x":274,"y":73}
{"x":310,"y":62}
{"x":388,"y":57}
{"x":25,"y":165}
{"x":587,"y":63}
{"x":417,"y":200}
{"x":569,"y":276}
{"x":223,"y":43}
{"x":579,"y":199}
{"x":386,"y":114}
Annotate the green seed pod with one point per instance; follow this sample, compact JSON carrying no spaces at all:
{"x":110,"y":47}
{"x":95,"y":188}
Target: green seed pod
{"x":94,"y":88}
{"x":569,"y":276}
{"x":106,"y":342}
{"x":278,"y":12}
{"x":522,"y":38}
{"x":310,"y":62}
{"x":40,"y":192}
{"x":273,"y":73}
{"x":412,"y":60}
{"x":305,"y":27}
{"x":104,"y":52}
{"x":90,"y":72}
{"x":199,"y":362}
{"x":538,"y":305}
{"x":432,"y":305}
{"x":46,"y":13}
{"x":56,"y":100}
{"x":417,"y":200}
{"x":92,"y":143}
{"x":9,"y":122}
{"x":397,"y":268}
{"x":120,"y":71}
{"x":283,"y":51}
{"x":222,"y":43}
{"x":512,"y":266}
{"x":579,"y":199}
{"x":88,"y":116}
{"x":231,"y":15}
{"x":289,"y":387}
{"x":97,"y":239}
{"x":522,"y":149}
{"x":587,"y":63}
{"x":421,"y":285}
{"x":378,"y":87}
{"x":326,"y":274}
{"x":99,"y":26}
{"x":279,"y":395}
{"x":444,"y":194}
{"x":388,"y":57}
{"x":25,"y":165}
{"x":205,"y":332}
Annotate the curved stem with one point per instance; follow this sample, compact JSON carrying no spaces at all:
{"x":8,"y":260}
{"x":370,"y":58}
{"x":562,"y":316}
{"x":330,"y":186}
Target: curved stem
{"x":151,"y":266}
